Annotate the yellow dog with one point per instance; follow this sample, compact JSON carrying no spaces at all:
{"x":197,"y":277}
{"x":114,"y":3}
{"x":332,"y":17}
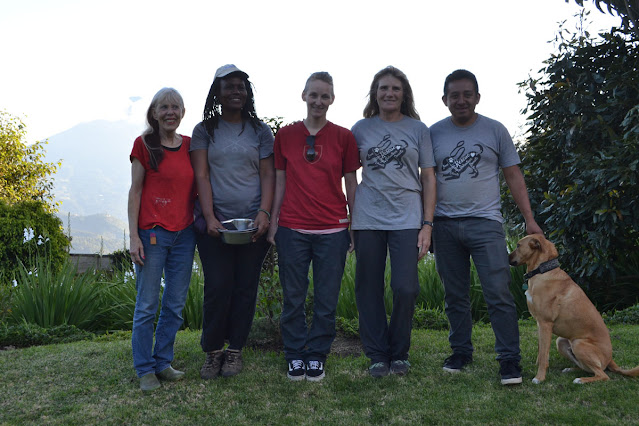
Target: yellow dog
{"x":561,"y":307}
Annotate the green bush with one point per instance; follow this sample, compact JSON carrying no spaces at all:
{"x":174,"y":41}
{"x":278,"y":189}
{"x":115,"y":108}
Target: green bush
{"x":629,"y":316}
{"x":29,"y":232}
{"x":25,"y":334}
{"x":51,"y":298}
{"x":432,"y":319}
{"x":581,"y":156}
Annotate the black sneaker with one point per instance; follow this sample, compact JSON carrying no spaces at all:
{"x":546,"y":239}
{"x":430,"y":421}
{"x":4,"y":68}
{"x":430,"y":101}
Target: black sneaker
{"x":379,"y":369}
{"x":315,"y":371}
{"x":510,"y":372}
{"x":399,"y":367}
{"x":296,"y":370}
{"x":455,"y":362}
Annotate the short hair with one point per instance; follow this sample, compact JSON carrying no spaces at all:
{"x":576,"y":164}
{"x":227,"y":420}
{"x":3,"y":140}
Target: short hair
{"x":321,"y":76}
{"x":408,"y":103}
{"x":151,"y":135}
{"x":460,"y":75}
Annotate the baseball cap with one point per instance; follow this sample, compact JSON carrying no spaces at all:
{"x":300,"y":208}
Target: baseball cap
{"x":227,"y":69}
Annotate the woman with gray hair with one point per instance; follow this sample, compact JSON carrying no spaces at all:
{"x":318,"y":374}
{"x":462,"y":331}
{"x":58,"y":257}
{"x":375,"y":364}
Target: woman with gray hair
{"x":162,"y":237}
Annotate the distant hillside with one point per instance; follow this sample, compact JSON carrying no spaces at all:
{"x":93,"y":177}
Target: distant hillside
{"x":96,"y":173}
{"x":97,"y":233}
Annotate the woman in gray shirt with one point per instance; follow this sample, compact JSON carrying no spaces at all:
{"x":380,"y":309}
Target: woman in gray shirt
{"x":393,"y":213}
{"x":232,"y":157}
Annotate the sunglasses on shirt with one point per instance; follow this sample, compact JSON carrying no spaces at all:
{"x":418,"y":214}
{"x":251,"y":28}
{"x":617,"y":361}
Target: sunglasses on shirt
{"x":310,"y":152}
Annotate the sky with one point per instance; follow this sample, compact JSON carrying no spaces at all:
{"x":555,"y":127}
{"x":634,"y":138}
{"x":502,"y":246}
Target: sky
{"x":65,"y":62}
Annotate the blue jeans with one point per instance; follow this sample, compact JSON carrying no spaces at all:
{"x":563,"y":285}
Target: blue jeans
{"x":384,"y":341}
{"x":172,"y":255}
{"x":455,"y":241}
{"x":295,"y":252}
{"x":231,"y":278}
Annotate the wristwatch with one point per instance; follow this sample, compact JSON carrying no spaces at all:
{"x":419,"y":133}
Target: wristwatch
{"x":427,"y":222}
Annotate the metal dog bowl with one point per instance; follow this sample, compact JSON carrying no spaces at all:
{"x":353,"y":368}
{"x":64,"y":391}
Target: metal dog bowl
{"x":239,"y":231}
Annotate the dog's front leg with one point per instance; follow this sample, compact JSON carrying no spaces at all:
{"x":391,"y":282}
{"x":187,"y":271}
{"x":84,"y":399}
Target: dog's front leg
{"x":544,"y":330}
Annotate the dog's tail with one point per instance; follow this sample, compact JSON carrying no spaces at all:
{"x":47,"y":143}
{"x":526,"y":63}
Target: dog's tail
{"x":615,"y":368}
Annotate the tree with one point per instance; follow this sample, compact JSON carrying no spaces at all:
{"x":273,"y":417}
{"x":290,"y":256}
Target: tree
{"x":24,"y":175}
{"x":628,"y":10}
{"x":581,"y":159}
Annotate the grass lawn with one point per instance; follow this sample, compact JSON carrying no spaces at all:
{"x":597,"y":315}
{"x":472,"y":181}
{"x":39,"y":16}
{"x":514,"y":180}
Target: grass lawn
{"x":94,"y":382}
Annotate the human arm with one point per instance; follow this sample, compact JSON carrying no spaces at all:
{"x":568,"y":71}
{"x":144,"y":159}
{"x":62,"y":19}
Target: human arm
{"x":267,"y":186}
{"x":517,"y":185}
{"x":135,"y":196}
{"x":350,"y":183}
{"x":200,"y":164}
{"x":429,"y":197}
{"x":278,"y":198}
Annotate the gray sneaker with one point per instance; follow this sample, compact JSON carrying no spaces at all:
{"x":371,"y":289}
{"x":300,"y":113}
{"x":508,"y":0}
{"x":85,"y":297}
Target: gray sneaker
{"x":212,"y":365}
{"x":399,"y":367}
{"x":379,"y":369}
{"x":170,"y":374}
{"x":149,"y":382}
{"x":232,"y":363}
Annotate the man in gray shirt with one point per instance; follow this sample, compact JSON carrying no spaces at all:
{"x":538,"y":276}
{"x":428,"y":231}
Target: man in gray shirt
{"x":469,"y":150}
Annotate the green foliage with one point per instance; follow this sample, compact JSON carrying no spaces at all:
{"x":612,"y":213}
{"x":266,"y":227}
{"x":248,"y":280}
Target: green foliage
{"x":29,"y":231}
{"x":192,"y":312}
{"x":51,"y":298}
{"x":433,"y":319}
{"x":24,"y":176}
{"x":24,"y":334}
{"x":629,"y":316}
{"x":582,"y":154}
{"x":627,"y":10}
{"x":121,"y":260}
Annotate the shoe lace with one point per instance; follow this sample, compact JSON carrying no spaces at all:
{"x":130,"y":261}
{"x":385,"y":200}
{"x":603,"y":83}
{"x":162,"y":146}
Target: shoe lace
{"x":314,"y":365}
{"x":211,"y":358}
{"x":297,"y":364}
{"x":378,"y":365}
{"x":231,"y":357}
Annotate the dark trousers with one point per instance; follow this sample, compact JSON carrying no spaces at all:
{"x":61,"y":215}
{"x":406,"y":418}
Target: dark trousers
{"x":327,"y":253}
{"x":383,"y":341}
{"x":231,"y":278}
{"x":455,"y":242}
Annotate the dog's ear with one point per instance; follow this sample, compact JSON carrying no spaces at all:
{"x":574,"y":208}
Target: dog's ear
{"x":534,"y":244}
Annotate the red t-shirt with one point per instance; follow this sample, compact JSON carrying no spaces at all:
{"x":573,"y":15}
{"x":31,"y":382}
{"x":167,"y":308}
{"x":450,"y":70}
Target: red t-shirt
{"x":168,"y":194}
{"x":314,"y":198}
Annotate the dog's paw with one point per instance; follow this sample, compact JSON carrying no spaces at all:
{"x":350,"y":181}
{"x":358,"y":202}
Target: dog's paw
{"x":577,"y":381}
{"x":536,"y":381}
{"x":567,"y":370}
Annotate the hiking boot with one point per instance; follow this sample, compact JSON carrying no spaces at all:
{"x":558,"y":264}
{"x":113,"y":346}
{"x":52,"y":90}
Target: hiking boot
{"x":399,"y":367}
{"x":149,"y":382}
{"x":232,"y":363}
{"x":170,"y":374}
{"x":456,"y":362}
{"x":296,"y":370}
{"x":379,"y":369}
{"x":212,"y":365}
{"x":315,"y":371}
{"x":510,"y":372}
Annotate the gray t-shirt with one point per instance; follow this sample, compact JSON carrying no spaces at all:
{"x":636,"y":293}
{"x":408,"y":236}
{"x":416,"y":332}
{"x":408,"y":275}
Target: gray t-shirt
{"x":234,"y":166}
{"x":389,"y":196}
{"x":468,"y":161}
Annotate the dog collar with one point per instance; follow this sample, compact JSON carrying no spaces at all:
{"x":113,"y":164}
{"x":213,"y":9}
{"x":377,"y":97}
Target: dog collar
{"x":543,"y":268}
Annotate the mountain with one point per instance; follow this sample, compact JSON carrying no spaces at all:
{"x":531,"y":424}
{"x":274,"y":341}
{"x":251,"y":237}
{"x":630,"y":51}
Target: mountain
{"x":93,"y":182}
{"x":97,"y":233}
{"x":96,"y":172}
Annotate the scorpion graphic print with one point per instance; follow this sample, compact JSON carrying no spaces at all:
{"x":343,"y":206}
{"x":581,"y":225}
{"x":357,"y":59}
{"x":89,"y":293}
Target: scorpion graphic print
{"x":459,"y":161}
{"x":386,"y":152}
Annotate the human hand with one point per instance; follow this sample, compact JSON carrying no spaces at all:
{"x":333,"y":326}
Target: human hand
{"x":423,"y":240}
{"x":272,"y":230}
{"x":351,"y":246}
{"x":137,"y":250}
{"x":533,"y":228}
{"x":213,"y":226}
{"x":262,"y":223}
